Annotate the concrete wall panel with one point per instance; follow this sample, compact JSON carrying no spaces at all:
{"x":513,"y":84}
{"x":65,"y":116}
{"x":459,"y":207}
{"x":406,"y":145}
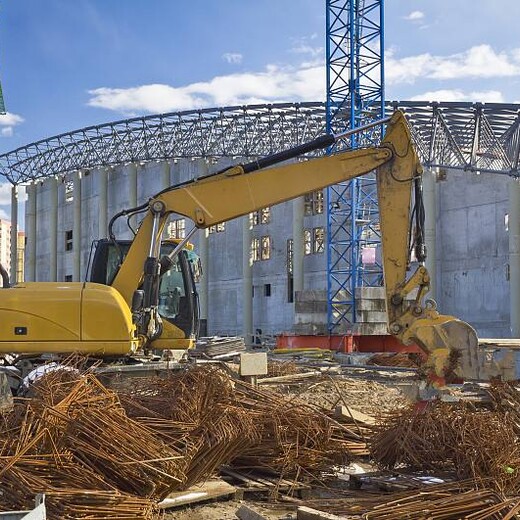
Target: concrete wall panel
{"x":472,"y":245}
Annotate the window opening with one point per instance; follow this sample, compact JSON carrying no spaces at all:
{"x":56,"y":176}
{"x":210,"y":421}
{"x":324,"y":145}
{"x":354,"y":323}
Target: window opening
{"x":266,"y":248}
{"x":68,"y":240}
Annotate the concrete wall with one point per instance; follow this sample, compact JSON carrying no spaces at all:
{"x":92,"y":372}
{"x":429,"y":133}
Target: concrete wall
{"x":471,"y":245}
{"x":472,"y":250}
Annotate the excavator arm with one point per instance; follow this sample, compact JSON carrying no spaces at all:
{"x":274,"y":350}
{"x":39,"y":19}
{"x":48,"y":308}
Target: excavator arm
{"x":240,"y":190}
{"x":451,"y":344}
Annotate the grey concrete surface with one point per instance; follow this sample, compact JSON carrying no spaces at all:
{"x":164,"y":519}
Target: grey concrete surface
{"x":471,"y":249}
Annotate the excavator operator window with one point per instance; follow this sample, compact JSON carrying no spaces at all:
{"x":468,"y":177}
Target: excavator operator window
{"x":170,"y":292}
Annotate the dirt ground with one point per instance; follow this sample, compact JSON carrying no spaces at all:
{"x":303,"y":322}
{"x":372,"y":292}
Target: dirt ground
{"x":227,"y":510}
{"x":370,"y":397}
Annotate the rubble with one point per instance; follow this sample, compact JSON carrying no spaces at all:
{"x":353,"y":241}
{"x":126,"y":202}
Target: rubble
{"x":149,"y":443}
{"x":92,"y":449}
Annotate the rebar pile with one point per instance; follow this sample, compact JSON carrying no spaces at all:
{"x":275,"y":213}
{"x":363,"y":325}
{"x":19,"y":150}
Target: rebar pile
{"x":99,"y":452}
{"x":399,"y":359}
{"x":296,"y":440}
{"x":85,"y":454}
{"x":434,"y":502}
{"x":505,"y":397}
{"x":476,"y":444}
{"x":277,"y":368}
{"x":239,"y":425}
{"x":99,"y":505}
{"x":198,"y":406}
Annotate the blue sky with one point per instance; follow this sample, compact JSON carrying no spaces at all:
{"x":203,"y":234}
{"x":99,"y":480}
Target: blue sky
{"x":65,"y":64}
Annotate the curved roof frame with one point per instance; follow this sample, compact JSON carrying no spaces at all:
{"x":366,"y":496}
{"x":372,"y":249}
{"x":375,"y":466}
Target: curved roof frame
{"x":467,"y":136}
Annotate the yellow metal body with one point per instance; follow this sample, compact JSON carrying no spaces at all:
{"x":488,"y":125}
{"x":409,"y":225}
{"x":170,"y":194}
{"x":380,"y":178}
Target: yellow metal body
{"x":42,"y":317}
{"x":441,"y":336}
{"x":97,"y":319}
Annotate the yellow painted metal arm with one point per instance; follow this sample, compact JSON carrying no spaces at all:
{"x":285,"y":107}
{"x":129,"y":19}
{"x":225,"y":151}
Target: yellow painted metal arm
{"x":231,"y":194}
{"x":449,"y":342}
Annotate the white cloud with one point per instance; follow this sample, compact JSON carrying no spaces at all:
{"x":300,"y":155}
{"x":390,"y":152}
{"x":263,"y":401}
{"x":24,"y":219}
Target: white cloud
{"x":7,"y":122}
{"x":306,"y":82}
{"x":5,"y":193}
{"x":488,"y":96}
{"x":4,"y":215}
{"x":274,"y":84}
{"x":302,"y":46}
{"x":232,"y":57}
{"x":480,"y":61}
{"x":415,"y":16}
{"x":10,"y":119}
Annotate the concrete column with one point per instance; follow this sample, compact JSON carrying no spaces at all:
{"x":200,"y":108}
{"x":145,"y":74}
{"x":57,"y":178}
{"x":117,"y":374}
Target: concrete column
{"x":53,"y":229}
{"x":14,"y":234}
{"x":298,"y":206}
{"x":76,"y":228}
{"x":102,"y":181}
{"x":132,"y":191}
{"x":430,"y":210}
{"x":165,"y":175}
{"x":204,"y":281}
{"x":30,"y":226}
{"x":247,"y":281}
{"x":514,"y":256}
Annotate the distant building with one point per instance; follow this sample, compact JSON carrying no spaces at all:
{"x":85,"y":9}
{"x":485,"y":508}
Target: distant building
{"x":5,"y":244}
{"x":20,"y":257}
{"x":5,"y":250}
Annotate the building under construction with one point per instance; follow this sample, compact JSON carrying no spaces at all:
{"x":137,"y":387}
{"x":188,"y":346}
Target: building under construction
{"x":267,"y":273}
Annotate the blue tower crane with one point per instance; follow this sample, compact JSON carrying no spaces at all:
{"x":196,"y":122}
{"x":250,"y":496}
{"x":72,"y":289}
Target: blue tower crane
{"x":355,"y":96}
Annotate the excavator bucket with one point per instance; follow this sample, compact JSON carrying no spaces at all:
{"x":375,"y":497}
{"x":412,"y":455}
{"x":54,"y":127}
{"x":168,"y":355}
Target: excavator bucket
{"x":452,"y":347}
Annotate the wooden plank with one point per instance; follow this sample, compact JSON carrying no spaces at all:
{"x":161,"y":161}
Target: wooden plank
{"x":291,"y":378}
{"x":307,"y":513}
{"x":249,"y":482}
{"x":342,"y":412}
{"x":214,"y":488}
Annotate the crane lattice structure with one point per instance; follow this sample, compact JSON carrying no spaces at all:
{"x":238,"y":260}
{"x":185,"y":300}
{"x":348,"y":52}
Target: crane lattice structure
{"x":355,"y":96}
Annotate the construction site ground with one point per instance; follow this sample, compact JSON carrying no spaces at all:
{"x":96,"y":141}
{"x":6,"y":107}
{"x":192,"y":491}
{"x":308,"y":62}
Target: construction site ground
{"x":314,"y":439}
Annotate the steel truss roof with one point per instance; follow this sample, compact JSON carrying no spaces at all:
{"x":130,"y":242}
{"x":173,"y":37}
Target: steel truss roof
{"x":467,"y":136}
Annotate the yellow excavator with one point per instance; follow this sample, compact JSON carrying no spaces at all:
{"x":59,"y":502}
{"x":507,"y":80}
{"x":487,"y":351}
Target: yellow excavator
{"x":141,"y":292}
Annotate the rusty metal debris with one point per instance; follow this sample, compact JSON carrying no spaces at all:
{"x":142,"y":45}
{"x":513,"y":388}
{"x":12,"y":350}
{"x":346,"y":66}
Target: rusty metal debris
{"x":455,"y":500}
{"x":277,"y":368}
{"x":397,"y":359}
{"x":98,"y":452}
{"x":476,"y":444}
{"x":265,"y":430}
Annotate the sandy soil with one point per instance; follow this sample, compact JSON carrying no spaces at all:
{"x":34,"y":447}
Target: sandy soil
{"x":369,"y":397}
{"x":227,"y":510}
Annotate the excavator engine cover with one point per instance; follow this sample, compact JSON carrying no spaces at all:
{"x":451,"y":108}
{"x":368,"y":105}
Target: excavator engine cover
{"x":65,"y":317}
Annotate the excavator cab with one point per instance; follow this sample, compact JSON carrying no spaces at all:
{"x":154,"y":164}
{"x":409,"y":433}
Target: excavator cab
{"x":178,"y":297}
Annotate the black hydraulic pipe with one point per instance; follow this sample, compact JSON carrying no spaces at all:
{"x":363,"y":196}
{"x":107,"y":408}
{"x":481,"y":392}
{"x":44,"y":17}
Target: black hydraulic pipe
{"x":5,"y":276}
{"x":324,"y":141}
